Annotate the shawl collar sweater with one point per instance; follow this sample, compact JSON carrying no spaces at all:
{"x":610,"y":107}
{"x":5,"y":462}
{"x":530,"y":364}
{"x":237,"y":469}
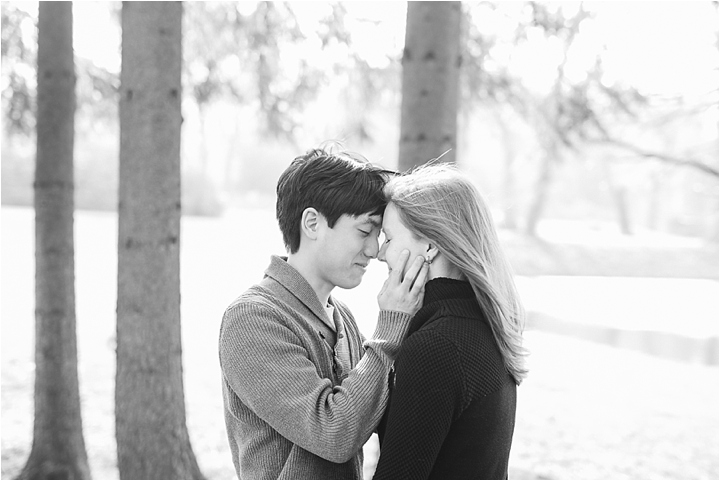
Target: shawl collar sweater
{"x":451,"y":413}
{"x":288,"y":413}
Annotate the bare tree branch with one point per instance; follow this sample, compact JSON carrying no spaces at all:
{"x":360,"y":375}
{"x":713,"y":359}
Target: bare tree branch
{"x":683,"y":162}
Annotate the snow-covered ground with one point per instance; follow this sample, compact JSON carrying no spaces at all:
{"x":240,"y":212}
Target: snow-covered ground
{"x":587,"y":410}
{"x":687,"y":307}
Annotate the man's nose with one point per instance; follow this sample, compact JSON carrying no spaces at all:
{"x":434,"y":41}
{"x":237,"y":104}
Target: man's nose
{"x":372,"y":248}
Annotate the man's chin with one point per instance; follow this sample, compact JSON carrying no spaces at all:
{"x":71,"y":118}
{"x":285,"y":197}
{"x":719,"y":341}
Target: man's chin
{"x":350,"y":283}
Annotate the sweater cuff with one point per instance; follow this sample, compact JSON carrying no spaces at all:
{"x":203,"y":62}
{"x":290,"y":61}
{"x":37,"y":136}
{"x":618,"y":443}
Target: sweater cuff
{"x":389,"y":333}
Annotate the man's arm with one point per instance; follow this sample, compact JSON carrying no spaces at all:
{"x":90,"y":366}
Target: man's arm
{"x":268,"y":368}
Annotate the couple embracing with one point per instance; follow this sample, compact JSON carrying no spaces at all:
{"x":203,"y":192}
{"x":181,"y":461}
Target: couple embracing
{"x":304,"y":390}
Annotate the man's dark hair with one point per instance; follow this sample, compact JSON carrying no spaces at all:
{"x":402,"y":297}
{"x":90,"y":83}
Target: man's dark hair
{"x":334,"y":184}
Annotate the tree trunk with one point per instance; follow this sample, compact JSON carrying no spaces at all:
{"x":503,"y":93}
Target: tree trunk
{"x":622,"y":207}
{"x":233,"y":160}
{"x":430,"y":83}
{"x":202,"y":118}
{"x":653,"y":214}
{"x":542,"y":188}
{"x":152,"y":436}
{"x":618,"y":195}
{"x":510,"y":218}
{"x":58,"y":449}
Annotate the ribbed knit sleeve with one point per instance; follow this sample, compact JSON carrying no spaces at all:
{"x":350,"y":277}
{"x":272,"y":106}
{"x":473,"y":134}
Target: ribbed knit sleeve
{"x":427,"y":396}
{"x":389,"y":333}
{"x":267,"y":366}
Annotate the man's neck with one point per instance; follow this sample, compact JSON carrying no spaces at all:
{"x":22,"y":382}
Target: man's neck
{"x":306,"y":266}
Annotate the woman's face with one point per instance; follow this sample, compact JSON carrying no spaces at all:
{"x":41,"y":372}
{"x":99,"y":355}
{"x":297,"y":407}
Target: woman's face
{"x":397,"y":238}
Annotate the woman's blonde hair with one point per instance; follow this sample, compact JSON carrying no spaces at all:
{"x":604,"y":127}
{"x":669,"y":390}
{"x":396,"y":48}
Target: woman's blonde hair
{"x":440,"y":203}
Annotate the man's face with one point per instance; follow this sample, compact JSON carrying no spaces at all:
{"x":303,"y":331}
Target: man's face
{"x":346,"y":249}
{"x":397,"y":238}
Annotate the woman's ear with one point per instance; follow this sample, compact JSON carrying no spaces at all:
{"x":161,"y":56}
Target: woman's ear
{"x":431,"y":253}
{"x":309,"y":222}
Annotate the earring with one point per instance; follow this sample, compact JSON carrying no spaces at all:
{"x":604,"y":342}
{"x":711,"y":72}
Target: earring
{"x":428,"y":261}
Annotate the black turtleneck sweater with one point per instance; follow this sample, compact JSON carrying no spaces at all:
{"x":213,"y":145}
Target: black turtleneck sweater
{"x":451,"y":413}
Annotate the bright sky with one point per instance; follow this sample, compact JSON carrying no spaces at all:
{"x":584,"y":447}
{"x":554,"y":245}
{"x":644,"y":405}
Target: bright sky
{"x":667,"y":46}
{"x":661,"y":46}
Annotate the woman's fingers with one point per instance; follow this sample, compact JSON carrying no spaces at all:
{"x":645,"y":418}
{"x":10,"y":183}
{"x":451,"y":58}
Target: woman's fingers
{"x":406,"y":293}
{"x":419,"y":284}
{"x":413,"y":271}
{"x":383,"y":289}
{"x":397,"y":271}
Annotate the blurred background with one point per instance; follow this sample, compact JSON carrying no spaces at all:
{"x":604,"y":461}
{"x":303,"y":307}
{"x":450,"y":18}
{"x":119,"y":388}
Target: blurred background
{"x":591,"y":128}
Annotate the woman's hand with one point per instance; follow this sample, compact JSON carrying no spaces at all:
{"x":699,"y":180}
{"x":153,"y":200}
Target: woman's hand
{"x":404,"y":295}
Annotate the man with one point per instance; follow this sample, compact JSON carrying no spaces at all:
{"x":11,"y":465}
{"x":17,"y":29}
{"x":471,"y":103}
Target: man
{"x":302,"y":390}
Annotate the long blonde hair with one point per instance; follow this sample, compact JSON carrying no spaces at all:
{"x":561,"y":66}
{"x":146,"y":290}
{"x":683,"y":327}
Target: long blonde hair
{"x":440,"y":203}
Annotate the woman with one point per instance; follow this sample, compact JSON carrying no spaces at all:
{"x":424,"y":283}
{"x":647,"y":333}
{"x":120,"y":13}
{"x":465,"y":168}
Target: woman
{"x":451,"y":413}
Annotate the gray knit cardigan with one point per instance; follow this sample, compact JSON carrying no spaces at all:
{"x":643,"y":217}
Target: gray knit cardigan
{"x":287,"y":414}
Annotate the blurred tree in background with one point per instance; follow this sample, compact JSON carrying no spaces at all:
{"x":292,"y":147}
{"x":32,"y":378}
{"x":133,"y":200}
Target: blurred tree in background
{"x":152,"y":436}
{"x":58,"y":447}
{"x":550,"y":125}
{"x":576,"y":116}
{"x":238,"y":59}
{"x":18,"y":73}
{"x":431,"y":63}
{"x":579,"y":116}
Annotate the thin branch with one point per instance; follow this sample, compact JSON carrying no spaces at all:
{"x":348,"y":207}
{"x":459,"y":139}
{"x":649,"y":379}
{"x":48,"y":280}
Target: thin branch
{"x":683,"y":162}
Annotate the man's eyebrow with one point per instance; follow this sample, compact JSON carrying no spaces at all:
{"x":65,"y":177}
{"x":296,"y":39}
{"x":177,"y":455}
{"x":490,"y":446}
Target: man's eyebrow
{"x":373,"y":222}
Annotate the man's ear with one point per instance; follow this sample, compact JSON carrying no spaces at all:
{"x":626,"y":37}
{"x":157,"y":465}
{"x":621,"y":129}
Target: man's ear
{"x":310,"y":222}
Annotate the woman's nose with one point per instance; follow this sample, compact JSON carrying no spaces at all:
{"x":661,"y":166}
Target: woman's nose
{"x":381,"y":254}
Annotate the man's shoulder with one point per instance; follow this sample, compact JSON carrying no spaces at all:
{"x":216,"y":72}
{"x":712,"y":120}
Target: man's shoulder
{"x":262,"y":295}
{"x":251,"y":313}
{"x":268,"y":298}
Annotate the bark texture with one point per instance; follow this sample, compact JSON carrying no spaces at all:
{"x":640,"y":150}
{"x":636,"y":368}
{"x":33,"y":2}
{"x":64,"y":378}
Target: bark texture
{"x":58,"y":449}
{"x":152,"y":436}
{"x":430,"y":83}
